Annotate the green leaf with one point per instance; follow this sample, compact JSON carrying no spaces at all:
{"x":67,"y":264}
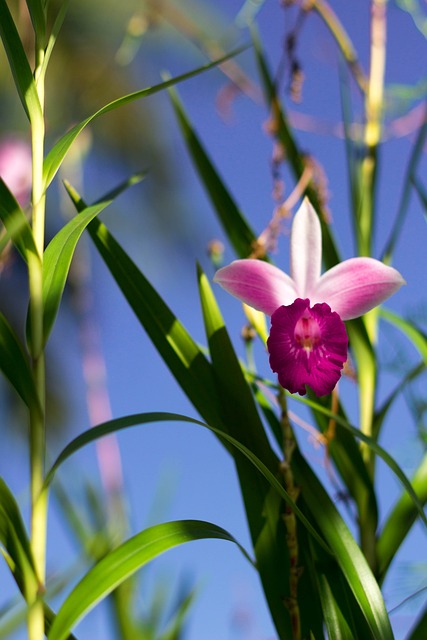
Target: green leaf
{"x":57,"y":262}
{"x":60,"y":251}
{"x":350,"y":145}
{"x":345,"y":452}
{"x":346,"y":551}
{"x":417,"y":12}
{"x":125,"y":422}
{"x":381,"y":413}
{"x":370,"y":442}
{"x":59,"y":20}
{"x":14,"y":539}
{"x":263,"y":511}
{"x":343,"y":619}
{"x":15,"y":221}
{"x":415,"y":335}
{"x":185,"y":359}
{"x":414,"y":160}
{"x":400,"y":520}
{"x":235,"y":226}
{"x":124,"y":561}
{"x":19,"y":64}
{"x":57,"y":154}
{"x":419,"y":631}
{"x":175,"y":626}
{"x":422,"y":194}
{"x":38,"y":18}
{"x":15,"y":366}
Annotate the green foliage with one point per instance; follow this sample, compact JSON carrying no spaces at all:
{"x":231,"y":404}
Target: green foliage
{"x":58,"y":152}
{"x":122,"y":562}
{"x":16,"y":224}
{"x":19,"y":65}
{"x":317,"y":578}
{"x":15,"y":366}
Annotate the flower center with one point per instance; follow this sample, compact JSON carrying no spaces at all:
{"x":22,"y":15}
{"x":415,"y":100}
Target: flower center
{"x":307,"y":332}
{"x":307,"y":346}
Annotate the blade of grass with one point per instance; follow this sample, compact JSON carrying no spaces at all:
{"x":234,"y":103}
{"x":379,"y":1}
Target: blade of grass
{"x":19,"y":65}
{"x":15,"y":365}
{"x":60,"y":251}
{"x":15,"y":222}
{"x":112,"y":426}
{"x":415,"y":335}
{"x":400,"y":520}
{"x":124,"y":561}
{"x":347,"y":553}
{"x":57,"y":154}
{"x":406,"y":191}
{"x":234,"y":224}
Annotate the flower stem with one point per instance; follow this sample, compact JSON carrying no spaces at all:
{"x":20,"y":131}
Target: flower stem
{"x":289,"y":444}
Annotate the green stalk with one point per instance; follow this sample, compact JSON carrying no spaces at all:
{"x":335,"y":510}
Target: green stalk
{"x":374,"y":113}
{"x":37,"y":415}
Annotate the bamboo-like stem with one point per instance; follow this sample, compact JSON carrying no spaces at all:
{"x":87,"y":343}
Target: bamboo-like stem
{"x":289,"y":517}
{"x":373,"y":128}
{"x":374,"y":113}
{"x":37,"y":414}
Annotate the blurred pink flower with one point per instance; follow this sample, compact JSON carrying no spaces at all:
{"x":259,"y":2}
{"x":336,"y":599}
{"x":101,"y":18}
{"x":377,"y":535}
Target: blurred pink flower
{"x":15,"y":168}
{"x":308,"y":341}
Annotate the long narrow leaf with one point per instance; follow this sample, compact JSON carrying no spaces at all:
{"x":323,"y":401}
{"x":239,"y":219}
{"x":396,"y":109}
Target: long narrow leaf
{"x":59,"y":20}
{"x":59,"y":253}
{"x":235,"y":226}
{"x":15,"y":222}
{"x":241,"y":415}
{"x":376,"y":448}
{"x":38,"y":18}
{"x":14,"y":539}
{"x":419,"y":631}
{"x":19,"y":64}
{"x":343,"y":618}
{"x":381,"y":413}
{"x":112,"y":426}
{"x":15,"y":366}
{"x":415,"y":335}
{"x":124,"y":561}
{"x":347,"y":553}
{"x":406,"y":191}
{"x":400,"y":520}
{"x":57,"y":154}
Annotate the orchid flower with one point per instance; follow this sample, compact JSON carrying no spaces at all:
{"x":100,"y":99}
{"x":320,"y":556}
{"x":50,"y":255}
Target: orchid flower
{"x":308,"y":341}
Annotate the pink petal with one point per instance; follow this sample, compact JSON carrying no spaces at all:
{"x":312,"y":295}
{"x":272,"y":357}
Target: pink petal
{"x":306,"y":249}
{"x":257,"y":283}
{"x":355,"y":286}
{"x":307,"y":346}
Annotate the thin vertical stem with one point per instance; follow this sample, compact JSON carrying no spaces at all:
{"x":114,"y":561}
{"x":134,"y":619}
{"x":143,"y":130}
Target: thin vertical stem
{"x":289,"y":517}
{"x":374,"y":113}
{"x":37,"y":417}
